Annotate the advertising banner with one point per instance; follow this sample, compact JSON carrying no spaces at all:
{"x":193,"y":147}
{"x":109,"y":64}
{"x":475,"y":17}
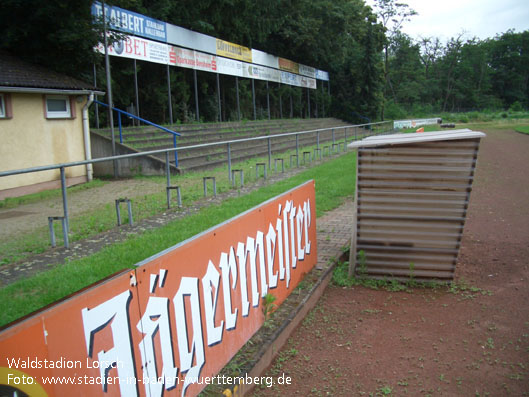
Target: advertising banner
{"x":322,"y":75}
{"x":308,"y":82}
{"x":289,"y":66}
{"x":230,"y":67}
{"x":307,"y":71}
{"x":261,"y":73}
{"x":131,"y":22}
{"x":179,"y":36}
{"x":149,"y":28}
{"x":137,"y":48}
{"x":235,"y":51}
{"x":262,"y":58}
{"x":414,"y":123}
{"x":171,"y":324}
{"x":291,"y":79}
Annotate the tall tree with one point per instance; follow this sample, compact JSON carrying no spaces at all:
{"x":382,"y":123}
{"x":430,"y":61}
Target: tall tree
{"x":392,"y":15}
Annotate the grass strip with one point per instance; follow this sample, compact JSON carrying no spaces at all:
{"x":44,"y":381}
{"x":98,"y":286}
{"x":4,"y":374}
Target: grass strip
{"x":523,"y":129}
{"x":334,"y":183}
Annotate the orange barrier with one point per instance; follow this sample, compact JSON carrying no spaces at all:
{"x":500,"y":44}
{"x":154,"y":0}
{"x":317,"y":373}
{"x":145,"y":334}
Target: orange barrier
{"x":171,"y":324}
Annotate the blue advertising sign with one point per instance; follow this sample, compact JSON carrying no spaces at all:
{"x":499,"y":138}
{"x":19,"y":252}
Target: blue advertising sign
{"x":131,"y":22}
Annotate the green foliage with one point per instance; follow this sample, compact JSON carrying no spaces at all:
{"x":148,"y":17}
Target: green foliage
{"x":269,"y":306}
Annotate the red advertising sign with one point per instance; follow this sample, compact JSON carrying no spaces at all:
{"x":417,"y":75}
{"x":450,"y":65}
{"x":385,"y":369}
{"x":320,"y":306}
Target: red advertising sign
{"x":170,"y":325}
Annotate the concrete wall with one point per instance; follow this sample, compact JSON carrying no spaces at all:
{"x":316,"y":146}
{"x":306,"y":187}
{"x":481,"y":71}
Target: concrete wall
{"x":145,"y":165}
{"x":28,"y":139}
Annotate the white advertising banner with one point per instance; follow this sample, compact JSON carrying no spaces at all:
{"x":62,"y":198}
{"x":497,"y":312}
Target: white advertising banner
{"x":262,"y":58}
{"x":230,"y":67}
{"x":146,"y":50}
{"x":414,"y":123}
{"x":261,"y":73}
{"x":307,"y":71}
{"x":307,"y":82}
{"x":290,"y":79}
{"x":322,"y":75}
{"x":134,"y":47}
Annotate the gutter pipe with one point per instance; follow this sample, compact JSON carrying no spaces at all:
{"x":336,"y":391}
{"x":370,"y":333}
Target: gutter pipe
{"x":86,"y":134}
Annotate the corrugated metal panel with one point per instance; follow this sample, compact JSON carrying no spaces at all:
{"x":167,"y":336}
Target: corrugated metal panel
{"x":412,"y":198}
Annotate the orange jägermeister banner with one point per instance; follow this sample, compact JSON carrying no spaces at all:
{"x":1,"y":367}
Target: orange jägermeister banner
{"x":168,"y":326}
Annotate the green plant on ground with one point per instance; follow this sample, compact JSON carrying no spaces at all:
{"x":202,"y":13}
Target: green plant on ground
{"x":269,"y":306}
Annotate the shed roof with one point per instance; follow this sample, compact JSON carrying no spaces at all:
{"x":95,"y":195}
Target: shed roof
{"x":399,"y":139}
{"x":19,"y":75}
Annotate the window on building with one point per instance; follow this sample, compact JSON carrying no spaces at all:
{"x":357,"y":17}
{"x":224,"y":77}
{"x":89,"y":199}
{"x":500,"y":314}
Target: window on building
{"x":5,"y":106}
{"x":58,"y":107}
{"x":2,"y":106}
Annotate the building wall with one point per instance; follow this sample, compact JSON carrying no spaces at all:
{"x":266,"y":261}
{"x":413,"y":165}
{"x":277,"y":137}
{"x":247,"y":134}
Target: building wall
{"x":29,"y":139}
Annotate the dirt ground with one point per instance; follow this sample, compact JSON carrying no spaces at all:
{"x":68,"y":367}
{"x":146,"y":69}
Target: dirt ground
{"x":471,"y":341}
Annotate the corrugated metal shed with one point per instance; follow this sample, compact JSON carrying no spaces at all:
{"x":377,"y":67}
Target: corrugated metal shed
{"x":412,"y":195}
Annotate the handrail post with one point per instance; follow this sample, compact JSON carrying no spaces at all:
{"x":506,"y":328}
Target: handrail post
{"x":168,"y":176}
{"x":229,"y":162}
{"x":297,"y":150}
{"x":345,"y":139}
{"x":120,"y":128}
{"x":64,"y":200}
{"x":175,"y":152}
{"x":269,"y":153}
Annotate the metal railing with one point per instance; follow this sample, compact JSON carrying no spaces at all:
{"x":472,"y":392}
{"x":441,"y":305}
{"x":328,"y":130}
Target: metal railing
{"x":120,"y":112}
{"x":374,"y":129}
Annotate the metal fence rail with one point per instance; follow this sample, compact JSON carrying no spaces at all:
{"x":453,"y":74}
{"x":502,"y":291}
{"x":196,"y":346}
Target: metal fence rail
{"x":339,"y":135}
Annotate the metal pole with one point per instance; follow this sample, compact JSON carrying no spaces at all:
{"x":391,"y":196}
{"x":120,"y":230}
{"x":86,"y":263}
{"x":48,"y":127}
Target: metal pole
{"x":96,"y":105}
{"x":280,"y":102}
{"x":329,"y":88}
{"x":196,"y":94}
{"x":297,"y":150}
{"x":323,"y":101}
{"x":316,"y":100}
{"x":169,"y":96}
{"x":229,"y":162}
{"x":268,"y":101}
{"x":168,"y":176}
{"x":308,"y":102}
{"x":136,"y":90}
{"x":301,"y":103}
{"x":291,"y":106}
{"x":109,"y":92}
{"x":64,"y":200}
{"x":218,"y":98}
{"x":253,"y":99}
{"x":238,"y":104}
{"x":269,"y":153}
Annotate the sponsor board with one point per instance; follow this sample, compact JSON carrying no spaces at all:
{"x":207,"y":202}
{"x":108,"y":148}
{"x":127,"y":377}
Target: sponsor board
{"x":142,"y":26}
{"x":131,"y":22}
{"x":288,"y":65}
{"x":134,"y":47}
{"x":235,"y":51}
{"x":174,"y":320}
{"x":415,"y":123}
